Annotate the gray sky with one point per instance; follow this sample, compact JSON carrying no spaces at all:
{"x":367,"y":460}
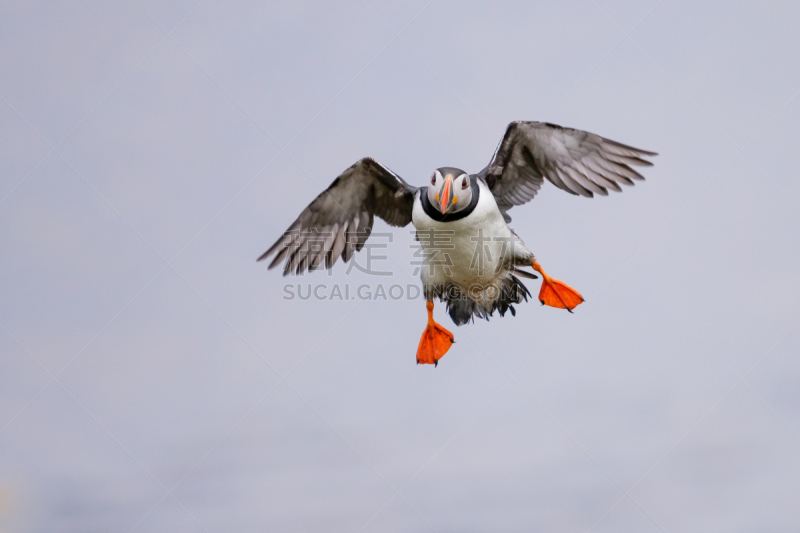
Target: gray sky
{"x":155,"y":379}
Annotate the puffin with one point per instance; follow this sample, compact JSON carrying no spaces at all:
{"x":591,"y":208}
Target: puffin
{"x":472,"y":259}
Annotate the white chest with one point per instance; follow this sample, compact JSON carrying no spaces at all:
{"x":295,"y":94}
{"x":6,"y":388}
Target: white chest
{"x":467,"y":251}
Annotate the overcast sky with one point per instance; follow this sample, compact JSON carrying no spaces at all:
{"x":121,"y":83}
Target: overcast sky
{"x":154,"y":377}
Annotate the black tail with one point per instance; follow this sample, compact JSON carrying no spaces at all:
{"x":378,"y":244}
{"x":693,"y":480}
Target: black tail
{"x":462,"y":308}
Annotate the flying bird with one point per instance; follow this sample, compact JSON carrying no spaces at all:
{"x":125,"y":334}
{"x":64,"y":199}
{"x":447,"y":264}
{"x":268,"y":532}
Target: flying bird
{"x":472,"y":258}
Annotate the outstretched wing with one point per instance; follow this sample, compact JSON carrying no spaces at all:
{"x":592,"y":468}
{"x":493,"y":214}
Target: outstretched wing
{"x":339,"y":220}
{"x":576,"y":161}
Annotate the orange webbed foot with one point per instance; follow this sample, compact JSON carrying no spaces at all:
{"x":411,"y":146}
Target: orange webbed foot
{"x":557,"y":293}
{"x":435,"y":341}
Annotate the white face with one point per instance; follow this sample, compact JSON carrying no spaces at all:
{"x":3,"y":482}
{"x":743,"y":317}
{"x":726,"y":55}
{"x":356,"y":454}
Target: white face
{"x":450,"y":193}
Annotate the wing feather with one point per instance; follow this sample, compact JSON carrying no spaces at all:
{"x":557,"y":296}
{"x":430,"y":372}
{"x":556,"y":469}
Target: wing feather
{"x":576,"y":161}
{"x":339,"y":221}
{"x":597,"y":177}
{"x":338,"y":244}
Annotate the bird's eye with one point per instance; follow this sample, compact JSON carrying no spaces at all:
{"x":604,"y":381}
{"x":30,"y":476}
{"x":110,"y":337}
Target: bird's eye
{"x":465,"y":183}
{"x":433,"y":179}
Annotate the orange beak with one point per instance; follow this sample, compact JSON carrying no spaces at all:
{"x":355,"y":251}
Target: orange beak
{"x":445,"y":198}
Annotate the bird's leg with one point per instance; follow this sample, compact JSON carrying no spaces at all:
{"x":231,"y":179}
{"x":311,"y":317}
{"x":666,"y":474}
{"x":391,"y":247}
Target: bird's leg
{"x":555,"y":293}
{"x":435,"y":341}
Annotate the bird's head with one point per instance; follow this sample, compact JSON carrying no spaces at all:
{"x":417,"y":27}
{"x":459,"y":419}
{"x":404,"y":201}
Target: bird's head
{"x":450,"y":190}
